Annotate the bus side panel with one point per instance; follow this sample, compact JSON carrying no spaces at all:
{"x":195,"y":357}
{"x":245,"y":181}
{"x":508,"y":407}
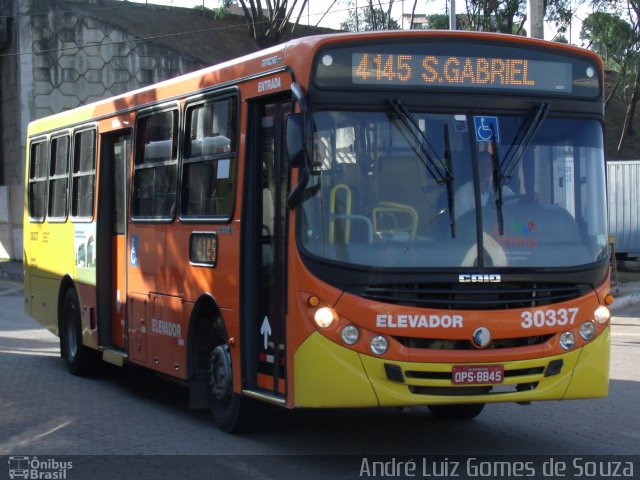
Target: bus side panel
{"x":44,"y":302}
{"x":138,"y":328}
{"x":146,"y":258}
{"x":88,"y":314}
{"x":167,"y":335}
{"x":49,"y":256}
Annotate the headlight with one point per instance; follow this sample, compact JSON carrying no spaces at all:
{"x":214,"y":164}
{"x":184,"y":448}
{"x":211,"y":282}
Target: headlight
{"x":602,"y":315}
{"x":324,"y":317}
{"x":350,"y":334}
{"x":567,"y":340}
{"x":588,"y":330}
{"x":379,"y":345}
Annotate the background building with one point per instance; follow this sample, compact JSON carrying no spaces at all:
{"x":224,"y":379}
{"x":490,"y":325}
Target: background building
{"x":56,"y":55}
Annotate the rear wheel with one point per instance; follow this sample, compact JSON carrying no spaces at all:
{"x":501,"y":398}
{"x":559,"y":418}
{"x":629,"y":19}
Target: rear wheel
{"x":80,"y":360}
{"x":457,"y":412}
{"x":230,"y":410}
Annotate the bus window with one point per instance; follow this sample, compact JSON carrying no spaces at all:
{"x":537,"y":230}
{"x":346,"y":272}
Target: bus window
{"x":84,"y":174}
{"x":38,"y":180}
{"x":209,"y":164}
{"x":154,"y":182}
{"x":59,"y":178}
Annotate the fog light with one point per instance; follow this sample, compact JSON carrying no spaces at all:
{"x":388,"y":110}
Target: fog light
{"x":324,"y":317}
{"x":350,"y":334}
{"x":379,"y":345}
{"x":567,"y":340}
{"x":602,"y":315}
{"x":588,"y":330}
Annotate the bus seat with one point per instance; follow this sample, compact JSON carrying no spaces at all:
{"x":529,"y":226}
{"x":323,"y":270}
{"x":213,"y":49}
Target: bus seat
{"x":215,"y":145}
{"x":403,"y":200}
{"x":158,"y":151}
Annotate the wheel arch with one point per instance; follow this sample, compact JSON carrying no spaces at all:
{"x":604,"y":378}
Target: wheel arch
{"x":207,"y":329}
{"x":65,"y":284}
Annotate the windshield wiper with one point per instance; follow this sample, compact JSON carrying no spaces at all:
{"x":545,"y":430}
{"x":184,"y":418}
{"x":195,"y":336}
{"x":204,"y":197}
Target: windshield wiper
{"x":450,"y":195}
{"x":523,"y":139}
{"x":439,"y":170}
{"x":419,"y":142}
{"x":498,"y":180}
{"x":504,"y":170}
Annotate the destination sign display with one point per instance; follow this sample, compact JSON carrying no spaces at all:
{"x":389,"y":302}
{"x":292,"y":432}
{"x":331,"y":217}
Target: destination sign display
{"x":438,"y":66}
{"x":461,"y":71}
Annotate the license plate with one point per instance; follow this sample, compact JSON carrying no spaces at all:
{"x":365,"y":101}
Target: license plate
{"x":477,"y":374}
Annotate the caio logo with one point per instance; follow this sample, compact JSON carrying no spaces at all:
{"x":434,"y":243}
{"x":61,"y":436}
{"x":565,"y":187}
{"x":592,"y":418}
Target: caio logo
{"x":479,"y":278}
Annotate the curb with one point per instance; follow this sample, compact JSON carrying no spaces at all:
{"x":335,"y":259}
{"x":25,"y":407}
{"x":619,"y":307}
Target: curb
{"x":12,"y":276}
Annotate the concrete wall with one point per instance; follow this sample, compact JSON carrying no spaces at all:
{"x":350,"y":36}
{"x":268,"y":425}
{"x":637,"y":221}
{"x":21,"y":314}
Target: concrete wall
{"x":11,"y":205}
{"x":49,"y":73}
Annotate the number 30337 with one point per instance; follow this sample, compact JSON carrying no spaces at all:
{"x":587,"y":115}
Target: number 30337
{"x":548,"y":318}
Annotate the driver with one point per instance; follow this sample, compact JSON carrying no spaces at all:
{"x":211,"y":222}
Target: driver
{"x":465,"y":197}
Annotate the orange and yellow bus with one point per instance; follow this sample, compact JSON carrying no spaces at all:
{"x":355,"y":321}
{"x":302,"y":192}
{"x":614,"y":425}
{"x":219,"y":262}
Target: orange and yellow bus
{"x":352,"y":220}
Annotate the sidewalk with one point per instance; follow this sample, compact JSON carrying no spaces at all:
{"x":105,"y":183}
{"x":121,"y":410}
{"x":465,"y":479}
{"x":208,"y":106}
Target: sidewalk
{"x":10,"y":270}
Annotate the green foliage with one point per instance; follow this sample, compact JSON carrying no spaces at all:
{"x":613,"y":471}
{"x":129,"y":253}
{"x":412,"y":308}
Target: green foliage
{"x":367,"y":19}
{"x":504,"y":16}
{"x":609,"y":36}
{"x":216,"y":13}
{"x":438,"y":21}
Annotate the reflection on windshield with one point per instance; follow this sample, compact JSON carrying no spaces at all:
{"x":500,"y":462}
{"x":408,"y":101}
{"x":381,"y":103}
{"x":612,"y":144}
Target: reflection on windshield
{"x":372,"y":201}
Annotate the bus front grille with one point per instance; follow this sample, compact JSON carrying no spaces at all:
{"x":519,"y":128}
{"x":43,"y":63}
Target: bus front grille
{"x":473,"y":297}
{"x":447,"y":344}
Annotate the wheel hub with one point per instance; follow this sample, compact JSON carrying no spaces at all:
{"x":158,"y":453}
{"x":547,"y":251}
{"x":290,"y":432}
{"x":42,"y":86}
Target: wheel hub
{"x":220,"y":375}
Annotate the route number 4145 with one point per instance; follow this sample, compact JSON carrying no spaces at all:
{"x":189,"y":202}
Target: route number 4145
{"x":548,"y":318}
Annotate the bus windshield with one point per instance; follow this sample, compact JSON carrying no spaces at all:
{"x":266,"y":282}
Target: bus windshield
{"x":454,"y":190}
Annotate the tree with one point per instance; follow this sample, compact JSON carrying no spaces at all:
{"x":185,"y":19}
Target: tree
{"x":438,"y":21}
{"x":609,"y":36}
{"x":509,"y":16}
{"x":505,"y":16}
{"x":370,"y":18}
{"x":267,"y":26}
{"x":618,"y":41}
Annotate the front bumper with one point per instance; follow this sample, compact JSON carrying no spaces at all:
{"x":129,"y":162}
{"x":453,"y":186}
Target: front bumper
{"x":328,"y":375}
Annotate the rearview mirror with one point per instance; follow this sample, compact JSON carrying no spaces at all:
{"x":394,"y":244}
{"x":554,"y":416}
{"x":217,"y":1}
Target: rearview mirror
{"x":295,"y":140}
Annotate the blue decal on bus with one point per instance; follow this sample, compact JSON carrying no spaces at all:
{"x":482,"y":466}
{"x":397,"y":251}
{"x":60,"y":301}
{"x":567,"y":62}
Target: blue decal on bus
{"x":133,"y":255}
{"x":486,"y":129}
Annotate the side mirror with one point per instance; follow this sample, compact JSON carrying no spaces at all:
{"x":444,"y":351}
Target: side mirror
{"x":295,"y":140}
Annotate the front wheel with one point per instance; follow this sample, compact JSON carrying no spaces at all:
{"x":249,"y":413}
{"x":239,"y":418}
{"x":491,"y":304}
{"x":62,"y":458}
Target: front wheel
{"x":457,"y":412}
{"x":230,"y":410}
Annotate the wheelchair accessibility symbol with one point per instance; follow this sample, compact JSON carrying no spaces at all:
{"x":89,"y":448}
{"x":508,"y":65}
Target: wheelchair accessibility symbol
{"x":486,"y":129}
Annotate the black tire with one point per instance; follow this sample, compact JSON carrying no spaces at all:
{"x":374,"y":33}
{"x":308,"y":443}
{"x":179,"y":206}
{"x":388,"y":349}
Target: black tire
{"x":231,"y":412}
{"x":457,"y":412}
{"x":79,"y":359}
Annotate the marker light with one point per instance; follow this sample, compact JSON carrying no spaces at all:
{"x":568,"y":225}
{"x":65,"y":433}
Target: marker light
{"x":350,"y":334}
{"x":609,"y":299}
{"x":602,"y":315}
{"x":567,"y":340}
{"x":324,"y":317}
{"x":588,"y":330}
{"x":379,"y":345}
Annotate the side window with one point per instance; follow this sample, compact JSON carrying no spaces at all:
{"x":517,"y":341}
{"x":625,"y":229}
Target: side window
{"x":38,"y":180}
{"x":58,"y":178}
{"x":156,"y":166}
{"x":208,"y":169}
{"x":84,"y":174}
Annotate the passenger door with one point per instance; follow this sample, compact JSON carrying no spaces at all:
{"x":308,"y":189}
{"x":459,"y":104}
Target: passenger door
{"x":112,"y":215}
{"x":264,"y":267}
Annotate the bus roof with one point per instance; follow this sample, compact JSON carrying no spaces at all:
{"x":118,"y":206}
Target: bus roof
{"x":295,"y":54}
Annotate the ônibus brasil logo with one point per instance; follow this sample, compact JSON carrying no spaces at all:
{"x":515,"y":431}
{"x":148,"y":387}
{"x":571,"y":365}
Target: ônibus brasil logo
{"x":38,"y":469}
